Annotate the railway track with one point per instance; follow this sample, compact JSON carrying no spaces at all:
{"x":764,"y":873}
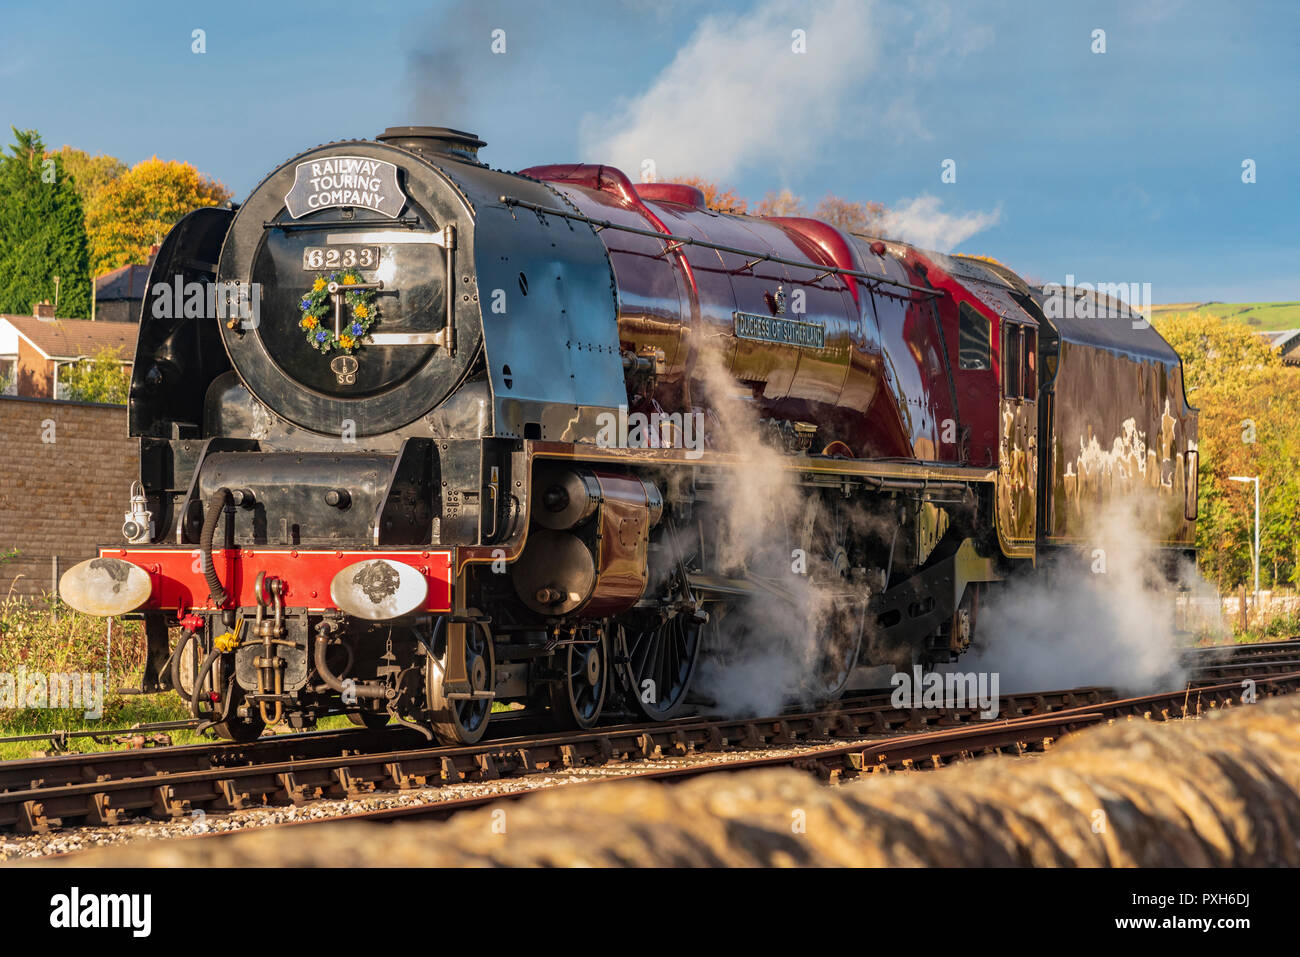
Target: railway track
{"x":109,"y":788}
{"x":899,"y":751}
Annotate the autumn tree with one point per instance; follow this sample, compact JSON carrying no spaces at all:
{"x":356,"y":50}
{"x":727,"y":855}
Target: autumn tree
{"x":138,"y":208}
{"x":42,"y":232}
{"x":1249,"y":406}
{"x":845,"y":214}
{"x":724,"y":199}
{"x":100,"y":378}
{"x":850,"y":216}
{"x":90,"y":174}
{"x":781,"y":203}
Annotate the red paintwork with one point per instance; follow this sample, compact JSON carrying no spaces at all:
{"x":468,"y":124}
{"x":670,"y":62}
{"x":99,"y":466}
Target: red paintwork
{"x":178,"y":582}
{"x":614,"y":182}
{"x":678,"y":193}
{"x":880,"y":387}
{"x":830,"y":241}
{"x":977,"y":389}
{"x":588,"y":175}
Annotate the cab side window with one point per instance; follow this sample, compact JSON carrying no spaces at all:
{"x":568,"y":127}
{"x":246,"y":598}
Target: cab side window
{"x":973,"y":335}
{"x":1012,"y":343}
{"x":1019,"y":362}
{"x":1029,"y":383}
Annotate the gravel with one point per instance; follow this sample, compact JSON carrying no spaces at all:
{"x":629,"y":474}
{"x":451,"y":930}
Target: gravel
{"x":71,"y":840}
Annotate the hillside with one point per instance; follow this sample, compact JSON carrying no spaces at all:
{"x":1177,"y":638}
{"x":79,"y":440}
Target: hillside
{"x":1257,"y":315}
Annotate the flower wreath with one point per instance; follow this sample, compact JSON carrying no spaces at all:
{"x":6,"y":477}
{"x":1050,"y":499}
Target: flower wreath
{"x":317,"y":307}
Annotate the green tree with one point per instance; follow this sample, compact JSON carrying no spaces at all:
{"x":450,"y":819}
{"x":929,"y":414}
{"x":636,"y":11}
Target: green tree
{"x":138,"y":208}
{"x":42,"y":231}
{"x":101,"y":378}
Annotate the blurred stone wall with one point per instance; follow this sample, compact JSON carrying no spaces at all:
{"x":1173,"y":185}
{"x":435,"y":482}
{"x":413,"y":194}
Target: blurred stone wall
{"x":1211,"y":792}
{"x":66,"y":470}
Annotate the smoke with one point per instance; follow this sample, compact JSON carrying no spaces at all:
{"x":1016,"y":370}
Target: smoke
{"x":452,"y":69}
{"x":1106,"y":616}
{"x":740,"y":93}
{"x":767,"y":649}
{"x":921,"y":222}
{"x":738,"y":96}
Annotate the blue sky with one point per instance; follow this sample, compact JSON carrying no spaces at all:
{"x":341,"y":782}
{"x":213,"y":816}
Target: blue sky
{"x":1123,"y":166}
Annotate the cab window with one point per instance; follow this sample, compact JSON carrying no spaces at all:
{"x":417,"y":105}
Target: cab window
{"x":1029,"y":383}
{"x":973,"y":336}
{"x":1019,"y":362}
{"x":1012,"y":343}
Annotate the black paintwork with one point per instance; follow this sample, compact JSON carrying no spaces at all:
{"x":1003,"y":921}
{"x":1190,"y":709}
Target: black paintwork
{"x":176,"y":357}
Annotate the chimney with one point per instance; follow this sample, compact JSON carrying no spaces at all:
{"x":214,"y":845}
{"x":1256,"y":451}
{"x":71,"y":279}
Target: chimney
{"x":43,"y":310}
{"x":435,"y":140}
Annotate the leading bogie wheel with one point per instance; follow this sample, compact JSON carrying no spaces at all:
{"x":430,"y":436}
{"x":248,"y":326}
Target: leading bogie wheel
{"x":233,"y":727}
{"x":461,"y":720}
{"x":578,"y":698}
{"x":371,"y":720}
{"x":239,"y":729}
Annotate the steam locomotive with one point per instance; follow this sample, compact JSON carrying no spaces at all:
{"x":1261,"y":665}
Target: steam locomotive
{"x":395,"y":479}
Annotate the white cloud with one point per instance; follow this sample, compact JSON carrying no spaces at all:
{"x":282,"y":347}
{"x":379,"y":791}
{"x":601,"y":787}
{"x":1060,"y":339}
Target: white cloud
{"x":737,"y":96}
{"x":921,"y":222}
{"x":939,"y":39}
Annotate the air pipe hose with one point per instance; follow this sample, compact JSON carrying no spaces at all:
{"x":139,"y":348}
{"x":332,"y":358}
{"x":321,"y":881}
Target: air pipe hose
{"x":197,"y":691}
{"x":182,"y":647}
{"x":217,"y":504}
{"x":362,"y":689}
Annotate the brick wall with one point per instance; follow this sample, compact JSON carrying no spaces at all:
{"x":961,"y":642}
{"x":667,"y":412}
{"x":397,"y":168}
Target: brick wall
{"x":35,"y":373}
{"x":117,"y":310}
{"x":64,"y":497}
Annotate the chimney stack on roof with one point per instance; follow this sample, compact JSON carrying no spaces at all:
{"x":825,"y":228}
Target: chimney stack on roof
{"x":43,"y":310}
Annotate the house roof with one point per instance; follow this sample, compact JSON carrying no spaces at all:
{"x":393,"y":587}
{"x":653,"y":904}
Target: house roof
{"x":74,"y":338}
{"x":1284,"y":339}
{"x":128,"y":282}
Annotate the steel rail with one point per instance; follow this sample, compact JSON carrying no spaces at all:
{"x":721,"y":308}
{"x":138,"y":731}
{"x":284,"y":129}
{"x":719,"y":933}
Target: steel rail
{"x":103,"y":787}
{"x":254,"y":778}
{"x":835,"y":762}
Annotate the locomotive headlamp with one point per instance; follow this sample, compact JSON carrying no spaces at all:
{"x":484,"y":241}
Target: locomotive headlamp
{"x":379,"y":590}
{"x":105,"y":587}
{"x":137,"y":524}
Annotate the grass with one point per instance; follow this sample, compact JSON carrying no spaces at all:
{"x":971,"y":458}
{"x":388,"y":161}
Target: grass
{"x":46,"y":635}
{"x":1276,"y":629}
{"x":1263,"y":316}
